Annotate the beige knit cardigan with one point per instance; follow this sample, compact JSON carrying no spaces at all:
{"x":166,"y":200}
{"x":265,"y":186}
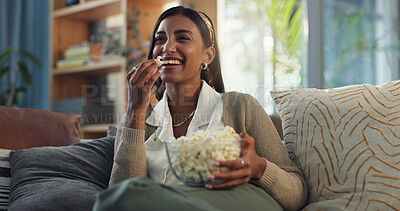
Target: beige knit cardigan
{"x":281,"y":178}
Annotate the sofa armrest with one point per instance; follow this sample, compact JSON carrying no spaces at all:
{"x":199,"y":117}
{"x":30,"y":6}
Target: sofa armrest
{"x":276,"y":119}
{"x":24,"y":128}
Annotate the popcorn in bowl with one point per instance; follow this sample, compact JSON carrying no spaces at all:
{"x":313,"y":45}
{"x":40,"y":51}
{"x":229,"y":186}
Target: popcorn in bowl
{"x":191,"y":158}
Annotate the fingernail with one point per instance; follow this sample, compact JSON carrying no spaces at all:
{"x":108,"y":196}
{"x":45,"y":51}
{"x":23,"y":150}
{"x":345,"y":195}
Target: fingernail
{"x":211,"y":177}
{"x":208,"y":186}
{"x":237,"y":138}
{"x":158,"y":62}
{"x":217,"y":163}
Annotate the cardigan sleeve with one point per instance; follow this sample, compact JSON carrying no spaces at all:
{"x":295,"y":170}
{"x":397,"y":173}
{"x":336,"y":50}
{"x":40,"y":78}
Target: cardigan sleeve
{"x":129,"y":154}
{"x":282,"y":179}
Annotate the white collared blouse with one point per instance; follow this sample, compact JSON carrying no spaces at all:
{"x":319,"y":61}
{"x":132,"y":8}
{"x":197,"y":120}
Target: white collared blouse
{"x":208,"y":115}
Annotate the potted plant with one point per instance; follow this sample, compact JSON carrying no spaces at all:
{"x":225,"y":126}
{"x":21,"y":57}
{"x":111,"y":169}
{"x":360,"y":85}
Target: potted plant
{"x":12,"y":65}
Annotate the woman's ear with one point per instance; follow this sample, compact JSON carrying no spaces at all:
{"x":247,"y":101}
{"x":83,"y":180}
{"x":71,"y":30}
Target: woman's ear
{"x":209,"y":55}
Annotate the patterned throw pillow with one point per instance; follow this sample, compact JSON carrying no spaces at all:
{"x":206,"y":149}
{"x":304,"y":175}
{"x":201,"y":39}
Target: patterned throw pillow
{"x":347,"y":141}
{"x":5,"y":178}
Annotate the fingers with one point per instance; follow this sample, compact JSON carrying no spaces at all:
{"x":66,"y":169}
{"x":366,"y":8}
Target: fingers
{"x":143,"y":72}
{"x":237,"y":171}
{"x":231,"y":178}
{"x":241,"y":169}
{"x":231,"y":164}
{"x":231,"y":175}
{"x":149,"y":83}
{"x":248,"y":141}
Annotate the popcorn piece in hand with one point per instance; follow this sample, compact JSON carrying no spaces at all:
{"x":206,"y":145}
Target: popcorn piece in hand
{"x":159,"y":59}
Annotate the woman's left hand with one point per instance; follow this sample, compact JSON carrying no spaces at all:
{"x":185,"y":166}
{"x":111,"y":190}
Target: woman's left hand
{"x":253,"y":167}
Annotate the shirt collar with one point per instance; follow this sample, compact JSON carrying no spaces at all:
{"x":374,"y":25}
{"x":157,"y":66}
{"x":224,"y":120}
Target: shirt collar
{"x":161,"y":109}
{"x":208,"y":98}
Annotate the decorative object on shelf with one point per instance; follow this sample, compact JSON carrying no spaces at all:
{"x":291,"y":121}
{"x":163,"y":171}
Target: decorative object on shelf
{"x":12,"y":64}
{"x":96,"y":50}
{"x":71,"y":2}
{"x":111,"y":40}
{"x":136,"y":49}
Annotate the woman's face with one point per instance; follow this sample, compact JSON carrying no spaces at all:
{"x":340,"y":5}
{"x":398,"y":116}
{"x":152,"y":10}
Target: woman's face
{"x":178,"y":40}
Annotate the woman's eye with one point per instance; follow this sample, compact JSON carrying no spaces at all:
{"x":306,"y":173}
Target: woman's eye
{"x":183,"y":38}
{"x":159,"y":39}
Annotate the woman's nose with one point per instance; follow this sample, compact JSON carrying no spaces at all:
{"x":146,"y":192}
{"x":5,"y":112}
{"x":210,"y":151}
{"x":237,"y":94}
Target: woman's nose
{"x":169,"y":46}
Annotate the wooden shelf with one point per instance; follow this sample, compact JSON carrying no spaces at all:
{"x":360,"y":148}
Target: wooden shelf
{"x":96,"y":68}
{"x":90,"y":11}
{"x":71,"y":25}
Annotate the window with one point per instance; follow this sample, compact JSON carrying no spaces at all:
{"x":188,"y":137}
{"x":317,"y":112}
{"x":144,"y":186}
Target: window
{"x":261,"y":44}
{"x":360,"y":38}
{"x":337,"y":43}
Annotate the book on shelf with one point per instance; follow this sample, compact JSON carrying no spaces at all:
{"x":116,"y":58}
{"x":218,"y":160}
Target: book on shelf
{"x":76,"y":62}
{"x":77,"y":52}
{"x":75,"y":56}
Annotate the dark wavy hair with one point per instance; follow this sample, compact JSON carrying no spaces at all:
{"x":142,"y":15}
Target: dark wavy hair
{"x":214,"y":67}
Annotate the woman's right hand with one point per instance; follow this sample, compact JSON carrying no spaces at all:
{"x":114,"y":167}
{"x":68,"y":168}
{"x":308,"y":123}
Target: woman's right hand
{"x":140,"y":81}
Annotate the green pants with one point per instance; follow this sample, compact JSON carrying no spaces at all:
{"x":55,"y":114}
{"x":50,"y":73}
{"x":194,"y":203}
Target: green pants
{"x":145,"y":194}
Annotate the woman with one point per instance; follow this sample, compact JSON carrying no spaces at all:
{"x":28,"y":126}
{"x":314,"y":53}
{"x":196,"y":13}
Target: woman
{"x":189,"y":85}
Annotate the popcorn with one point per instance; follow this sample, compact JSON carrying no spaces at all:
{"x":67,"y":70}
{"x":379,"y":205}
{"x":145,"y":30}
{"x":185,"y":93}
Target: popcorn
{"x":192,"y":157}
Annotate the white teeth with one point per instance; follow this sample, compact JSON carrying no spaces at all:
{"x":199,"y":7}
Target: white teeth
{"x":171,"y":62}
{"x":168,"y":61}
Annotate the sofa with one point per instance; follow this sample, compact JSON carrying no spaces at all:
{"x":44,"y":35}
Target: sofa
{"x":346,"y":140}
{"x":43,"y":164}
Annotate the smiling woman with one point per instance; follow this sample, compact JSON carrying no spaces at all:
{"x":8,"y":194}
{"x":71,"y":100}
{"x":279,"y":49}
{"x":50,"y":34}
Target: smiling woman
{"x":183,"y":66}
{"x":204,"y":27}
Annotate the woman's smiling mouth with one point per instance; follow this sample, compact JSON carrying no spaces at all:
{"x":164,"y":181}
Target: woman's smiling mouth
{"x":169,"y":62}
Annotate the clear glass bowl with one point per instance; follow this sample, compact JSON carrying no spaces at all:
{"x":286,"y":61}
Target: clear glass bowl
{"x":192,"y":166}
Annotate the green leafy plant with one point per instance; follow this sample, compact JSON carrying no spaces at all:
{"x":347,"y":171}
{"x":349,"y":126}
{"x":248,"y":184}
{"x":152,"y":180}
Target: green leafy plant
{"x":282,"y":22}
{"x":285,"y":21}
{"x":12,"y":65}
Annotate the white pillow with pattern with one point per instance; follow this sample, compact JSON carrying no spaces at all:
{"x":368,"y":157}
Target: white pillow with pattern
{"x":5,"y":178}
{"x":347,"y":141}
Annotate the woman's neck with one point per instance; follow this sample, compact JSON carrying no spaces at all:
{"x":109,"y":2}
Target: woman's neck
{"x":182,"y":98}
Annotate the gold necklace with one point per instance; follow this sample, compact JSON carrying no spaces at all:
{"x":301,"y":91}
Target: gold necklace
{"x":185,"y":120}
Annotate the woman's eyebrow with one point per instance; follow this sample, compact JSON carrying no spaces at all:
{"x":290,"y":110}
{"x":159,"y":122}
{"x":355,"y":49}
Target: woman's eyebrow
{"x":160,"y":32}
{"x":182,"y":31}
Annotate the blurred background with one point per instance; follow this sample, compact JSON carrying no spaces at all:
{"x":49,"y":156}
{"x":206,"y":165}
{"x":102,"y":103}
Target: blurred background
{"x":71,"y":56}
